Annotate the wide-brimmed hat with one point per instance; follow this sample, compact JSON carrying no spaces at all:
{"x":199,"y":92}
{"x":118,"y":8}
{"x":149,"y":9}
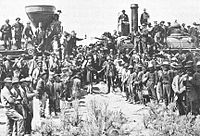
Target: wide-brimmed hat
{"x":165,"y":63}
{"x":56,"y":75}
{"x":130,"y":67}
{"x":173,"y":64}
{"x":27,"y":79}
{"x":189,"y":64}
{"x":15,"y":80}
{"x":150,"y":65}
{"x":7,"y":80}
{"x":198,"y":63}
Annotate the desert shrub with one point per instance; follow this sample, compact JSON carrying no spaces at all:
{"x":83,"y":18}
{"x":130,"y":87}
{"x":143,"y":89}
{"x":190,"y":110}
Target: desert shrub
{"x":167,"y":122}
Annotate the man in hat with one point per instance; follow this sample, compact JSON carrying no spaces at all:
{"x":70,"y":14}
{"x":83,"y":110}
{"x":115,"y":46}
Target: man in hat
{"x":166,"y":82}
{"x":36,"y":73}
{"x":191,"y":93}
{"x":6,"y":30}
{"x":194,"y":33}
{"x":123,"y":17}
{"x":51,"y":95}
{"x":18,"y":29}
{"x":131,"y":85}
{"x":41,"y":89}
{"x":10,"y":101}
{"x":110,"y":73}
{"x":28,"y":32}
{"x":144,"y":17}
{"x":179,"y":89}
{"x":2,"y":71}
{"x":40,"y":37}
{"x":196,"y":80}
{"x":71,"y":42}
{"x":56,"y":46}
{"x":151,"y":82}
{"x":28,"y":93}
{"x":125,"y":74}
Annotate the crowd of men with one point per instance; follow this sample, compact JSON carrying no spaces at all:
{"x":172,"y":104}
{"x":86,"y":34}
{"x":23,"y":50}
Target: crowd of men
{"x":141,"y":75}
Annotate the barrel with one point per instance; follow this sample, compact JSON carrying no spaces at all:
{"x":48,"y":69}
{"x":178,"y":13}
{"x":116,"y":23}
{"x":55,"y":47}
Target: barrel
{"x":40,"y":13}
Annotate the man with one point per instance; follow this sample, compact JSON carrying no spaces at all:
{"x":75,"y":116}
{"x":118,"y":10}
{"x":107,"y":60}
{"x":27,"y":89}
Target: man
{"x":179,"y":90}
{"x":40,"y":37}
{"x":123,"y":17}
{"x":196,"y":78}
{"x":151,"y":82}
{"x":27,"y":90}
{"x":2,"y":72}
{"x":51,"y":95}
{"x":191,"y":93}
{"x":131,"y":85}
{"x":144,"y":17}
{"x":9,"y":101}
{"x":71,"y":42}
{"x":36,"y":73}
{"x":166,"y":82}
{"x":184,"y":29}
{"x":7,"y":34}
{"x":18,"y":29}
{"x":28,"y":33}
{"x":110,"y":73}
{"x":41,"y":89}
{"x":194,"y":33}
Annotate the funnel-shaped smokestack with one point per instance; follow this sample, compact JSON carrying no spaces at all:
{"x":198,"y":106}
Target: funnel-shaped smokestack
{"x":40,"y":13}
{"x":134,"y":17}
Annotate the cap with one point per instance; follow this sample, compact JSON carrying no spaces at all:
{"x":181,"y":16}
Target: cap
{"x":17,"y":19}
{"x":123,"y":10}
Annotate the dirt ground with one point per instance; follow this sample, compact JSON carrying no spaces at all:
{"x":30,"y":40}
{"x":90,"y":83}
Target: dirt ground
{"x":134,"y":113}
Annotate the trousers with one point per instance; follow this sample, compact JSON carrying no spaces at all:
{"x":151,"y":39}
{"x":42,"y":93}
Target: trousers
{"x":13,"y":117}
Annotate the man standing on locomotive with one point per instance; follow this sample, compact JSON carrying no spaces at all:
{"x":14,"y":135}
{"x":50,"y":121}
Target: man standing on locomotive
{"x":18,"y":28}
{"x":6,"y":34}
{"x":40,"y":37}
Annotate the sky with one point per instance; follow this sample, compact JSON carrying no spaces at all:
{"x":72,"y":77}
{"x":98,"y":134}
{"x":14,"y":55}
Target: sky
{"x":93,"y":17}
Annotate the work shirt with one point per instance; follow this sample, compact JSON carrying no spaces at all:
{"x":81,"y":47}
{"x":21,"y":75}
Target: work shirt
{"x":7,"y":97}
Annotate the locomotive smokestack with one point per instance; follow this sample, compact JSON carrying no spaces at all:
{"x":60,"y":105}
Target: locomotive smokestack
{"x":134,"y":17}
